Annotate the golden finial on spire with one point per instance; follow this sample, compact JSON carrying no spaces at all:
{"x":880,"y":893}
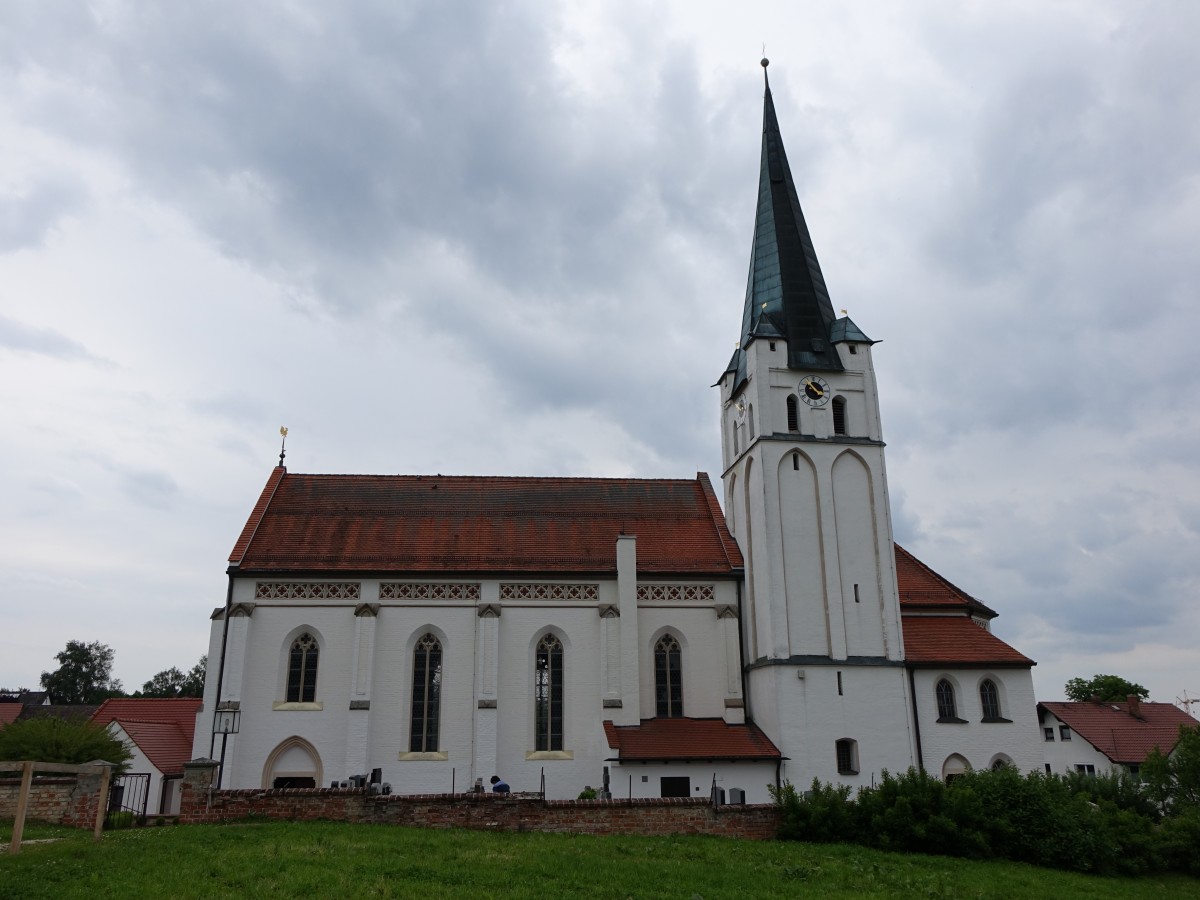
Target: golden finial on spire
{"x":282,"y":442}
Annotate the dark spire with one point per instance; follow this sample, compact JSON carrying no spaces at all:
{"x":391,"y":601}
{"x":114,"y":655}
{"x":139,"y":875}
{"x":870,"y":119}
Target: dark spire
{"x":785,"y":292}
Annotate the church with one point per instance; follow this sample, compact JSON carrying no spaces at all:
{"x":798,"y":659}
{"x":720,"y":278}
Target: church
{"x":640,"y":636}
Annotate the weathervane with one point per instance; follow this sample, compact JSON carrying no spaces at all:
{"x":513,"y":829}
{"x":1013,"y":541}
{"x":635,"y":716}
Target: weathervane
{"x":282,"y":442}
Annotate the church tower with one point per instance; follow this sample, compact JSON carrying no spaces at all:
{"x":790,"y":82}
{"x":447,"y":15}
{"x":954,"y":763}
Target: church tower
{"x":806,"y":498}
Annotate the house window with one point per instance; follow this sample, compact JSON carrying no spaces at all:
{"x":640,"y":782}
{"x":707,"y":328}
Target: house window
{"x":1064,"y":733}
{"x":839,"y":415}
{"x":847,"y":757}
{"x":426,"y":695}
{"x":1049,"y":732}
{"x":793,"y":413}
{"x":675,"y":786}
{"x":668,"y":680}
{"x":302,"y":670}
{"x":548,"y":694}
{"x":1085,"y":769}
{"x":989,"y":698}
{"x":947,"y":710}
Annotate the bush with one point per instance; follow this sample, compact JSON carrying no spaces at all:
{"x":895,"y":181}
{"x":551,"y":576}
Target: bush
{"x":48,"y":739}
{"x":825,"y":814}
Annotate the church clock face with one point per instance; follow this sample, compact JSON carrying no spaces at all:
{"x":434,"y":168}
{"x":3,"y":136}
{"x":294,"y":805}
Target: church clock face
{"x":814,"y":390}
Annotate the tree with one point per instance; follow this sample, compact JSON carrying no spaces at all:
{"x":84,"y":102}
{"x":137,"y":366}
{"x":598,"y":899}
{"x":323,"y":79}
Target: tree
{"x":173,"y":683}
{"x":1174,"y":780}
{"x":51,"y":739}
{"x":1109,"y":688}
{"x":84,"y":674}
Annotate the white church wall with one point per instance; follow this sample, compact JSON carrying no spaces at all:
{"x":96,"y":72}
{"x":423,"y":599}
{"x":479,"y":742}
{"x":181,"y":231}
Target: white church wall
{"x":980,"y":743}
{"x":813,"y":712}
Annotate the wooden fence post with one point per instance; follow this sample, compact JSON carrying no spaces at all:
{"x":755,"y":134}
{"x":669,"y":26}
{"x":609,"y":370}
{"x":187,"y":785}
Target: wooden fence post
{"x":102,"y":803}
{"x":22,"y":803}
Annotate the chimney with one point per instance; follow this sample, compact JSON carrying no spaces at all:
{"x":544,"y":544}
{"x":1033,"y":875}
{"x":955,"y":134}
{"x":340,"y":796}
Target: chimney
{"x":1135,"y":705}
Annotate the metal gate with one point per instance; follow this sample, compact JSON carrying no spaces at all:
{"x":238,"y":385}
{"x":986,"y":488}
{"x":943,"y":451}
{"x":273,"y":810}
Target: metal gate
{"x":128,"y":799}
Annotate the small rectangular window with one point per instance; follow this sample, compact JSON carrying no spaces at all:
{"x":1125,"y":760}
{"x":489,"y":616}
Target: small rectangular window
{"x":1064,"y":733}
{"x":856,"y":593}
{"x":839,"y":676}
{"x":853,"y":350}
{"x":1047,"y":768}
{"x":1049,"y":732}
{"x":1083,"y":769}
{"x":675,"y":786}
{"x":771,"y":344}
{"x":847,"y":757}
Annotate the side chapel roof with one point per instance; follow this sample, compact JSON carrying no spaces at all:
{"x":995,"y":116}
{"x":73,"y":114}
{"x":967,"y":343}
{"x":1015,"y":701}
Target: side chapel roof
{"x":683,"y":738}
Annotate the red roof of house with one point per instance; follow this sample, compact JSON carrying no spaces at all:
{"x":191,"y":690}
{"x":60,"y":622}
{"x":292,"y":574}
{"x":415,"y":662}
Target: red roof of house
{"x":920,"y":586}
{"x":9,"y":712}
{"x":161,"y":727}
{"x":955,"y":640}
{"x":1118,"y":734}
{"x":435,"y":524}
{"x":673,"y":739}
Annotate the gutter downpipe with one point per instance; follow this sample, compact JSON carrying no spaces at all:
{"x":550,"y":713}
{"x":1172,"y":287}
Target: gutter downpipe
{"x":212,"y":743}
{"x":912,"y":690}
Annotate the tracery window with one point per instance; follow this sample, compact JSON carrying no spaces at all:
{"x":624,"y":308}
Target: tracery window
{"x":302,"y":670}
{"x":946,"y":707}
{"x":989,"y":698}
{"x":548,"y":694}
{"x":426,"y":695}
{"x":668,"y":677}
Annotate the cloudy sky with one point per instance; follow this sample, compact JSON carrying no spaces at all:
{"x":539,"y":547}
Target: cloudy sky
{"x":512,"y":238}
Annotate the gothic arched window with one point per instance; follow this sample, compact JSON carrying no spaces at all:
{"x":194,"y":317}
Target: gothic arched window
{"x":945,"y":701}
{"x":426,"y":695}
{"x":668,"y":677}
{"x":989,"y":699}
{"x":302,"y":670}
{"x":548,"y":694}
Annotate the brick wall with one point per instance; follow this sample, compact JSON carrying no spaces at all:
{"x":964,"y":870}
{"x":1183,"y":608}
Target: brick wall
{"x":59,"y":800}
{"x":485,"y":812}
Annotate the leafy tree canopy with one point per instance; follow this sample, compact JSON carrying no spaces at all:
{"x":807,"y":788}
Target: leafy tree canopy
{"x":50,"y":739}
{"x":84,"y":674}
{"x":173,"y":683}
{"x":1174,"y":781}
{"x":1109,"y":688}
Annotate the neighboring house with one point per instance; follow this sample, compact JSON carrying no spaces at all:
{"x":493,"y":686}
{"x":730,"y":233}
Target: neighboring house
{"x":550,"y":630}
{"x":1097,"y":737}
{"x":9,"y":712}
{"x":160,"y":733}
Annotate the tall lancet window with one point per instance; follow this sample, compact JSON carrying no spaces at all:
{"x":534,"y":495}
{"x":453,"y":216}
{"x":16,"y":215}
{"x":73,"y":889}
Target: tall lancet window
{"x":302,"y":670}
{"x":668,"y":677}
{"x":426,"y":695}
{"x":946,"y":707}
{"x":793,"y":413}
{"x":548,"y":694}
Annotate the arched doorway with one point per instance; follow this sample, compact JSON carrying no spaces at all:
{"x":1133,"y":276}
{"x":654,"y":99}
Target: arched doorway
{"x":294,"y":763}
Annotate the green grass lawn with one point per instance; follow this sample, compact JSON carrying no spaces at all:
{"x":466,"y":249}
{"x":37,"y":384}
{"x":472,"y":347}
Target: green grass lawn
{"x":325,"y":859}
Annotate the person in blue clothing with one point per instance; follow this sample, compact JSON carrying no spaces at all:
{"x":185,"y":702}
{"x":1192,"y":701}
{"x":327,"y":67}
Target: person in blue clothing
{"x":499,"y":785}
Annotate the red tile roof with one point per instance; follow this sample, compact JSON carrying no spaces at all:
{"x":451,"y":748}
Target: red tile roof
{"x":1122,"y":737}
{"x":161,"y":727}
{"x":672,"y":739}
{"x":955,"y":640}
{"x":9,"y":712}
{"x":921,"y":587}
{"x":435,"y":524}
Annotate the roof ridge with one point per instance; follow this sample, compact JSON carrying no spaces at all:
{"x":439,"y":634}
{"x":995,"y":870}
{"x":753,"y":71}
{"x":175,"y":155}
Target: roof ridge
{"x":718,"y":519}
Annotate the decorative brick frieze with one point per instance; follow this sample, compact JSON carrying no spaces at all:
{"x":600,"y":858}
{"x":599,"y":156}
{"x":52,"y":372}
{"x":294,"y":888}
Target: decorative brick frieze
{"x":429,"y":590}
{"x":307,"y":590}
{"x":515,"y":590}
{"x":676,"y":593}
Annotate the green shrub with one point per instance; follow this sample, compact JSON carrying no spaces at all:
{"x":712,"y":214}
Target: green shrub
{"x":48,"y":739}
{"x":825,"y":814}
